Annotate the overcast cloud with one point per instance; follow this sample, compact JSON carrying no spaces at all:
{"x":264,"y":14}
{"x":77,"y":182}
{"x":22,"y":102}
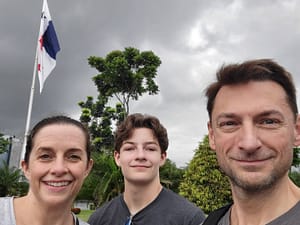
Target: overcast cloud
{"x":193,"y":38}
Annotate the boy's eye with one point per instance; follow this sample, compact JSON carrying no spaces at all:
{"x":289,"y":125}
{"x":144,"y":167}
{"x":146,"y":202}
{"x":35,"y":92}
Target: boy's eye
{"x":151,"y":149}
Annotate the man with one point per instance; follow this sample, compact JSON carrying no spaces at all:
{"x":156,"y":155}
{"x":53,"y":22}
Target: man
{"x":140,"y":150}
{"x":253,"y":127}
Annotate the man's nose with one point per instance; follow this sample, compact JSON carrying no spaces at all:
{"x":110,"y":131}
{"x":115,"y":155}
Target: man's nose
{"x":249,"y":139}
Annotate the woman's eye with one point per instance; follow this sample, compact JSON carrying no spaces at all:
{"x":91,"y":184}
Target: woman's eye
{"x":45,"y":157}
{"x":74,"y":157}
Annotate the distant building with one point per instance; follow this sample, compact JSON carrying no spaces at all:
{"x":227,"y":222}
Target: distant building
{"x":13,"y":153}
{"x":84,"y":204}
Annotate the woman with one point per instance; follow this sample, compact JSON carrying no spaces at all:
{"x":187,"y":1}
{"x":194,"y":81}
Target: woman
{"x":56,"y":162}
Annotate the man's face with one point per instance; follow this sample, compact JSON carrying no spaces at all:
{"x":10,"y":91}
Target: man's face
{"x":252,"y":130}
{"x":140,"y":157}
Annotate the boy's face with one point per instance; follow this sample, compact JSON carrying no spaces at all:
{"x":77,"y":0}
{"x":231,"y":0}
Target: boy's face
{"x":140,"y":157}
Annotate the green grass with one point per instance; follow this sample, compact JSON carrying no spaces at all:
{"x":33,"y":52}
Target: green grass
{"x":85,"y":214}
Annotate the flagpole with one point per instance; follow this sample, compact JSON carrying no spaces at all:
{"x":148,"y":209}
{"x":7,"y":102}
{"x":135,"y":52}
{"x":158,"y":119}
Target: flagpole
{"x":29,"y":107}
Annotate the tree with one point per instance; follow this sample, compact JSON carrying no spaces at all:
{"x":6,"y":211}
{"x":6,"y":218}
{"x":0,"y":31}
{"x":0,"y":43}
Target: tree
{"x":203,"y":182}
{"x":171,"y":176}
{"x":106,"y":179}
{"x":126,"y":74}
{"x":296,"y":159}
{"x":123,"y":76}
{"x":295,"y":177}
{"x":3,"y":144}
{"x":10,"y":184}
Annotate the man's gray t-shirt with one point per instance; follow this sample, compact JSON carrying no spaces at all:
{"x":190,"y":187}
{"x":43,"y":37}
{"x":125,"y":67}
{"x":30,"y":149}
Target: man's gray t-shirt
{"x":291,"y":217}
{"x":7,"y":214}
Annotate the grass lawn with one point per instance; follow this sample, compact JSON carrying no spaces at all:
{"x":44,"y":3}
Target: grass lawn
{"x":85,"y":214}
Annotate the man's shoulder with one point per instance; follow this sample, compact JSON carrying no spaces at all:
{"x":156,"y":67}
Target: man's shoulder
{"x":214,"y":217}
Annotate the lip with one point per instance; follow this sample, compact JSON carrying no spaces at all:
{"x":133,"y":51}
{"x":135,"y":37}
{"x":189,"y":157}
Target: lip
{"x":140,"y":166}
{"x":57,"y":185}
{"x":252,"y":162}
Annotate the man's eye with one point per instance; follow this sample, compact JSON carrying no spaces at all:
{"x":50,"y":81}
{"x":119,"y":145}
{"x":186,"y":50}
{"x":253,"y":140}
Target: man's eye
{"x":227,"y":124}
{"x":270,"y":123}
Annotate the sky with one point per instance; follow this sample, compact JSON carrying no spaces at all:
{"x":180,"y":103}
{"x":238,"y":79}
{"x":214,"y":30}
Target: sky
{"x":193,"y":38}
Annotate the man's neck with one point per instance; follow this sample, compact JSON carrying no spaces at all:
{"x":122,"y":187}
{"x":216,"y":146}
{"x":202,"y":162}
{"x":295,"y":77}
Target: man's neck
{"x":138,"y":197}
{"x":265,"y":206}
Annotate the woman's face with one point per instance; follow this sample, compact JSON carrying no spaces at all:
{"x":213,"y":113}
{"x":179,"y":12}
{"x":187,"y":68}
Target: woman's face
{"x":57,"y":164}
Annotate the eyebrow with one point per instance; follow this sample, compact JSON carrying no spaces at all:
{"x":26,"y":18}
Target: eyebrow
{"x":133,"y":143}
{"x":261,"y":114}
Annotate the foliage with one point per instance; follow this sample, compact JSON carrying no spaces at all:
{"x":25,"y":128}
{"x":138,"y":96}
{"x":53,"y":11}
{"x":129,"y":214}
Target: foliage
{"x":296,"y":159}
{"x":295,"y":177}
{"x":126,"y":74}
{"x":3,"y":144}
{"x":10,"y":181}
{"x":171,"y":176}
{"x":203,"y":182}
{"x":106,"y":179}
{"x":123,"y":76}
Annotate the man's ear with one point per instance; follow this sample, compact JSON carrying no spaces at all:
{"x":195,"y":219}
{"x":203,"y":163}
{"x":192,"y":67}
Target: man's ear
{"x":297,"y":132}
{"x":117,"y":157}
{"x":211,"y":136}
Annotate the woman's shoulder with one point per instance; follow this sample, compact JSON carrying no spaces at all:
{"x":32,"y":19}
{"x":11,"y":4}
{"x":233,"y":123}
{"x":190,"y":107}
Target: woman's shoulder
{"x":5,"y":201}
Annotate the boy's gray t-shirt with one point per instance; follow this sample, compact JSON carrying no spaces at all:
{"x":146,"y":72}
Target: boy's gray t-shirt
{"x":291,"y":217}
{"x":7,"y":214}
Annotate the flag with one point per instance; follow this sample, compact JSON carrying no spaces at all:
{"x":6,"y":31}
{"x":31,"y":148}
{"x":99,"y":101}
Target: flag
{"x":48,"y":46}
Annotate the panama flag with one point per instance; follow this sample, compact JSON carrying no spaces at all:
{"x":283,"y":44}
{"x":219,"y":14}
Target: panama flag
{"x":48,"y":46}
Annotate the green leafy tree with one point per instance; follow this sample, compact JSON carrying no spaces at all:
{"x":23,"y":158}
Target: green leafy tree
{"x":105,"y":179}
{"x":203,"y":182}
{"x":171,"y":176}
{"x":126,"y":74}
{"x":10,"y":181}
{"x":123,"y":76}
{"x":3,"y":144}
{"x":295,"y":177}
{"x":296,"y":159}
